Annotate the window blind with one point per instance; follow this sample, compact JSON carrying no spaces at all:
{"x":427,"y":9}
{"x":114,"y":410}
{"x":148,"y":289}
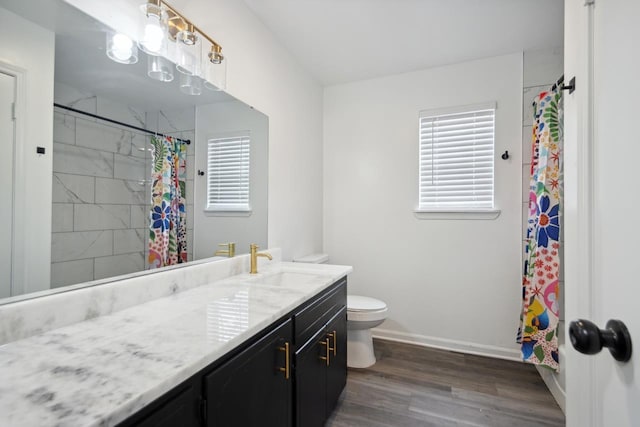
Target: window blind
{"x":457,"y":159}
{"x":228,"y":173}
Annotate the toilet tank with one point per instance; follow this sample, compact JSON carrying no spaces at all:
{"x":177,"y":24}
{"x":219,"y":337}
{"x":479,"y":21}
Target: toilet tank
{"x":313,"y":259}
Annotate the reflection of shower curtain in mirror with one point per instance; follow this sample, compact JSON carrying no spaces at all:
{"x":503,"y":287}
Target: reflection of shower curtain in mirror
{"x":168,"y":228}
{"x":540,"y":308}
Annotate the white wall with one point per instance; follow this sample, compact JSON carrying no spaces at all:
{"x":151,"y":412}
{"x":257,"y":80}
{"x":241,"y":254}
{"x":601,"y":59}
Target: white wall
{"x":448,"y":283}
{"x":211,"y":229}
{"x":262,"y":74}
{"x":30,"y":49}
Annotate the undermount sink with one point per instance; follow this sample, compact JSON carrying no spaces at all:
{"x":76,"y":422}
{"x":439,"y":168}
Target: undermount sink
{"x":282,"y":278}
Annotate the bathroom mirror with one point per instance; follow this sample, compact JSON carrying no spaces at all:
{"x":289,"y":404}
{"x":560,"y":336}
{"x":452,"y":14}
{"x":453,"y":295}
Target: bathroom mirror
{"x":82,"y":210}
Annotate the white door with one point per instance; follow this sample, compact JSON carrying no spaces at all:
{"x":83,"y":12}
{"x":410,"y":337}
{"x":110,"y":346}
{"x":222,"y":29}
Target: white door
{"x":602,"y":197}
{"x":7,"y":140}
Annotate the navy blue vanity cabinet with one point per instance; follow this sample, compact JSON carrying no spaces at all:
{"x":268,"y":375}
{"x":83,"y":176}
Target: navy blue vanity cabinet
{"x":321,"y":357}
{"x":291,"y":373}
{"x":337,"y":369}
{"x":254,"y":387}
{"x":182,"y":407}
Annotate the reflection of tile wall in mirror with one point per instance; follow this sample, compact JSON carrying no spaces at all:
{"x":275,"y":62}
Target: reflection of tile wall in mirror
{"x":101,"y":171}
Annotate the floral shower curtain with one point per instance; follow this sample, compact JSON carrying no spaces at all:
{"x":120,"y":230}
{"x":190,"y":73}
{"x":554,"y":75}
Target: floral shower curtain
{"x":168,"y":229}
{"x":540,"y":309}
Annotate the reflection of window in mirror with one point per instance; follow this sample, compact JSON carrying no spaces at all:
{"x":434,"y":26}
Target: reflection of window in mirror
{"x":228,"y":163}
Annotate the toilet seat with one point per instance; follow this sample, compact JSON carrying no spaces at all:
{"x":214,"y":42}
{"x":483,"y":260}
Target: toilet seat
{"x":365,"y":309}
{"x":360,"y":303}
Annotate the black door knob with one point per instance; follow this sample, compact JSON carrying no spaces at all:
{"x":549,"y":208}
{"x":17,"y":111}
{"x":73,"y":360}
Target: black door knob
{"x":588,"y":339}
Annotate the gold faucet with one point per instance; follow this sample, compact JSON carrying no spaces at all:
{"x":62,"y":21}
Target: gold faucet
{"x":254,"y":258}
{"x":230,"y":251}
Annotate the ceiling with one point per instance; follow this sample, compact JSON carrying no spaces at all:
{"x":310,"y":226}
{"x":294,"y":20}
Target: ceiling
{"x":341,"y":41}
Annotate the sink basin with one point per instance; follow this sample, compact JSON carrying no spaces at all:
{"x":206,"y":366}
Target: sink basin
{"x":283,"y":278}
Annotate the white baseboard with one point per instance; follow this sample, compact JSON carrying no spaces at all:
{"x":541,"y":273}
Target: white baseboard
{"x":451,"y":345}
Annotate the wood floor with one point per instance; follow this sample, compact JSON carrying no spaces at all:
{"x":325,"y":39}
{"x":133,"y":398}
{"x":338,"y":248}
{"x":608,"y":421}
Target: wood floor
{"x":417,"y":386}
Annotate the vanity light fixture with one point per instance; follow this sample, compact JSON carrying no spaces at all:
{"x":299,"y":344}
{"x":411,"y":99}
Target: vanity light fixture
{"x":159,"y":68}
{"x":121,"y":48}
{"x":188,"y":55}
{"x":166,"y":34}
{"x":154,"y":35}
{"x":215,"y":69}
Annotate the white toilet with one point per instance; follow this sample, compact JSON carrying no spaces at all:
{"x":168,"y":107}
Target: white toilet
{"x":363,"y":313}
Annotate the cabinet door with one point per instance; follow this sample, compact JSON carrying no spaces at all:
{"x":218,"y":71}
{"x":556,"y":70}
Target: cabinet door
{"x":252,"y":388}
{"x":337,"y":369}
{"x":311,"y":381}
{"x":181,"y":410}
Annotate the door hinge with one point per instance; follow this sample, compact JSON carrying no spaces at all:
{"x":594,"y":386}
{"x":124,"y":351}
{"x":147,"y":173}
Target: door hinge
{"x":13,"y":111}
{"x":203,"y":411}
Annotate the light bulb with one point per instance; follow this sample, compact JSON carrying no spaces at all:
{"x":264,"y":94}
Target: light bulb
{"x":122,"y":46}
{"x":153,"y":35}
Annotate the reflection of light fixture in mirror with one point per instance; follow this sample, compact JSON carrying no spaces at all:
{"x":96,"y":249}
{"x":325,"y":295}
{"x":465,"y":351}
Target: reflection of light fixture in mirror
{"x":121,"y":48}
{"x":159,"y":68}
{"x":188,"y":45}
{"x":154,"y":35}
{"x":215,"y":69}
{"x":190,"y":85}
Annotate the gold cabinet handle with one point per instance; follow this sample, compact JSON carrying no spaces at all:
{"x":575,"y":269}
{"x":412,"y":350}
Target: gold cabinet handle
{"x":334,"y":335}
{"x":327,"y":348}
{"x":287,"y":361}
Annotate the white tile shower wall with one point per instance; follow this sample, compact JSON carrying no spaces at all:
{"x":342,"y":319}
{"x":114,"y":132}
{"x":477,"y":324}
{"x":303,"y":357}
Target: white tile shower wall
{"x":100,"y":202}
{"x":542,"y":68}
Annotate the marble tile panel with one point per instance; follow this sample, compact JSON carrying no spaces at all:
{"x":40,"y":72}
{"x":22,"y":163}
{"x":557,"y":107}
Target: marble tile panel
{"x":190,"y":216}
{"x":81,"y":245}
{"x":176,"y":120}
{"x":82,"y":161}
{"x":118,"y":191}
{"x":529,"y":94}
{"x":64,"y":128}
{"x":62,"y":217}
{"x":121,"y":112}
{"x":71,"y":272}
{"x":129,"y":241}
{"x":140,"y":216}
{"x":118,"y":265}
{"x":100,"y":136}
{"x":73,"y":188}
{"x":543,"y":66}
{"x":141,"y":146}
{"x":131,"y":168}
{"x":101,"y":217}
{"x":191,"y":167}
{"x":190,"y":244}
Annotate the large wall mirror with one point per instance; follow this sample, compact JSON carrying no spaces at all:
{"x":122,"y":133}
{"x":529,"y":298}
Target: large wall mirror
{"x":92,"y":179}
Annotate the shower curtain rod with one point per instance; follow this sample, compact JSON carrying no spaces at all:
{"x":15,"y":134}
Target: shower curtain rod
{"x":95,"y":116}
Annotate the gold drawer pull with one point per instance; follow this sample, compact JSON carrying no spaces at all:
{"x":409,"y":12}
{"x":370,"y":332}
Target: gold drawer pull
{"x":334,"y":335}
{"x":287,"y":361}
{"x":327,"y":348}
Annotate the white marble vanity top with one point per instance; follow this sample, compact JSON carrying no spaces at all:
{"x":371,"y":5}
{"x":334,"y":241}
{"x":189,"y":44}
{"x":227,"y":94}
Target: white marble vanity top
{"x":101,"y":371}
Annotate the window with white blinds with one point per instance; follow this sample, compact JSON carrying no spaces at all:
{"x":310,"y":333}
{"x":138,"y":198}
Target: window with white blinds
{"x":228,"y":173}
{"x":456,"y":159}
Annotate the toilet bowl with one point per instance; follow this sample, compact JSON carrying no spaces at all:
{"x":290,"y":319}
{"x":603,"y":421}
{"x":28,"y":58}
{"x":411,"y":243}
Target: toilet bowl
{"x":363,"y":313}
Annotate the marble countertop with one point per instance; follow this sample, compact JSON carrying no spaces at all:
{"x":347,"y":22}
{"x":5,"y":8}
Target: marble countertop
{"x":101,"y":371}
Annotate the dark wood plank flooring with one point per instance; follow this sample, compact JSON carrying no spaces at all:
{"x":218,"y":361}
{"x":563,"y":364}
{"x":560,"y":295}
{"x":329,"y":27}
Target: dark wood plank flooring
{"x":418,"y":386}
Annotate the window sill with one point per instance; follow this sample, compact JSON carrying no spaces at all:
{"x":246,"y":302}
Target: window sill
{"x":482,"y":214}
{"x":229,"y":213}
